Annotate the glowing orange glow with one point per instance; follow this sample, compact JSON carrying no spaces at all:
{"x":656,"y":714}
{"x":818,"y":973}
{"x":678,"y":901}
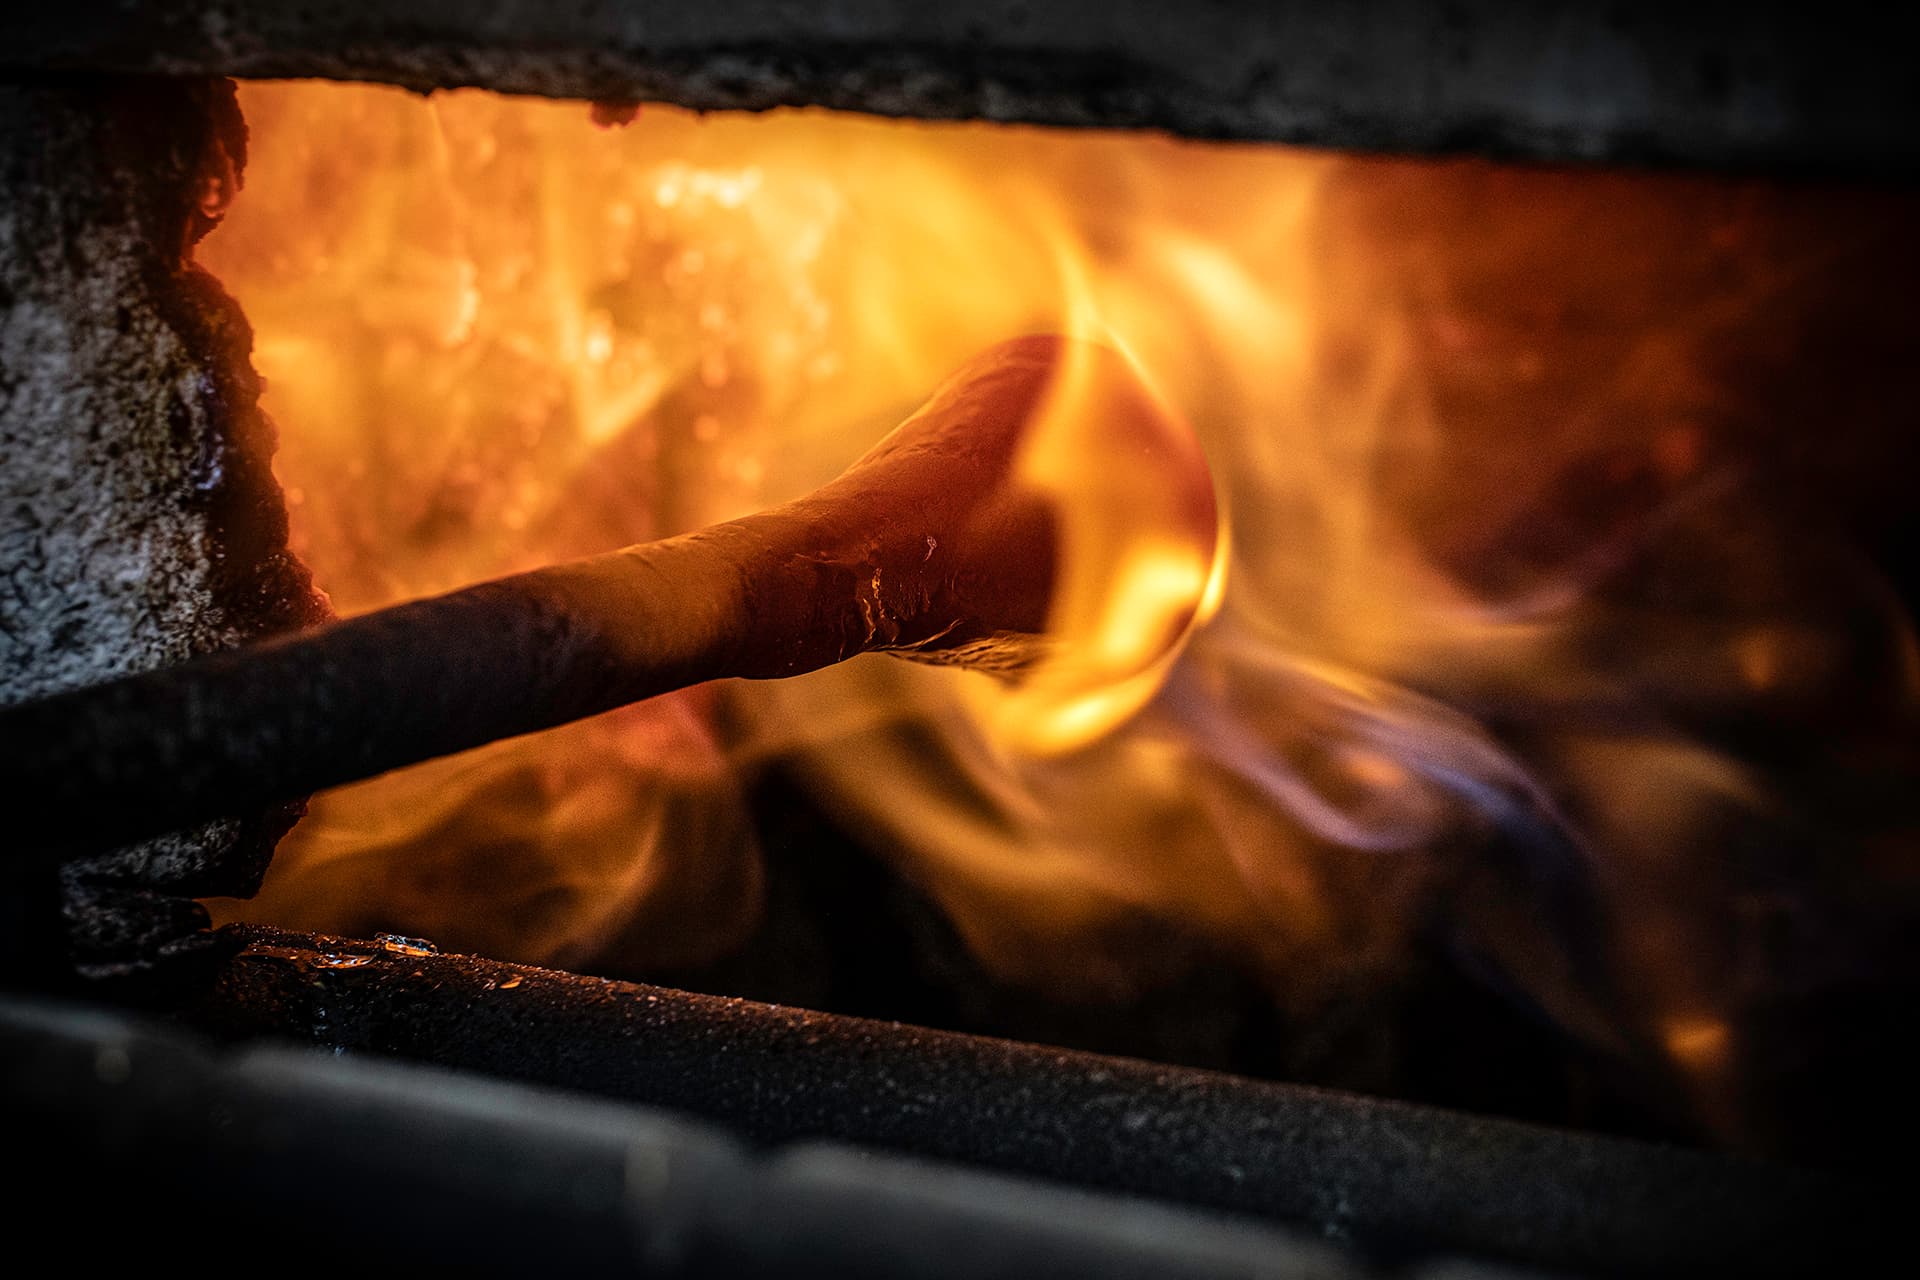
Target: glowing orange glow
{"x":1700,"y":1043}
{"x":1446,"y":449}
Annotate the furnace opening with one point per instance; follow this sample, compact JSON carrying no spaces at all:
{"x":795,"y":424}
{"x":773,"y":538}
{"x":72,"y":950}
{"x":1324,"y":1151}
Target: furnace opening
{"x":1559,"y":695}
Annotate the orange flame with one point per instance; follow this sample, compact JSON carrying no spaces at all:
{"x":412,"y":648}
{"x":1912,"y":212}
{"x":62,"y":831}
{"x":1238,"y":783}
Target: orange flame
{"x":495,"y":335}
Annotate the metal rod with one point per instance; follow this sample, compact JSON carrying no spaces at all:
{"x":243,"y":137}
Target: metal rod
{"x":159,"y":751}
{"x":922,"y":546}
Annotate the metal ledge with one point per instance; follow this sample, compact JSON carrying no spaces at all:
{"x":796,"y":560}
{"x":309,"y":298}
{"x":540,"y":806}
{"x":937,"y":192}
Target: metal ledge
{"x":320,"y":1161}
{"x":1800,"y":89}
{"x":1402,"y":1180}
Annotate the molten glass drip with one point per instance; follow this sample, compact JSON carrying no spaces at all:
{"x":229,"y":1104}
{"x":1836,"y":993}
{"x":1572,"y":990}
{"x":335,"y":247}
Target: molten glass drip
{"x":1517,"y":625}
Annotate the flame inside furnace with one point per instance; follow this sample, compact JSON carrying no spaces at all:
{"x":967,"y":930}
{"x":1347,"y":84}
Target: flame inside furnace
{"x":1523,"y":640}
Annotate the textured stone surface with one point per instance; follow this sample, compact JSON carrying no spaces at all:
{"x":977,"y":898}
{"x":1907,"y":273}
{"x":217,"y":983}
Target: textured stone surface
{"x":1716,"y":84}
{"x":139,"y":520}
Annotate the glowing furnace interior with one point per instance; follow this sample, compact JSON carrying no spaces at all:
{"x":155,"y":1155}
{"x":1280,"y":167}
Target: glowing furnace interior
{"x":1535,"y":577}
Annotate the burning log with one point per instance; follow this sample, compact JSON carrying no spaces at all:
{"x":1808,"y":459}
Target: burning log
{"x":930,"y":546}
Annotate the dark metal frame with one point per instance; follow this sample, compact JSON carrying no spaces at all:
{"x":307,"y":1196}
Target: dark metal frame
{"x":1396,"y":1180}
{"x":1782,"y":88}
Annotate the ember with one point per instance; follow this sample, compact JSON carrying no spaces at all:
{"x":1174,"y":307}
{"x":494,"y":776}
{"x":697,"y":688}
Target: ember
{"x":1537,"y":592}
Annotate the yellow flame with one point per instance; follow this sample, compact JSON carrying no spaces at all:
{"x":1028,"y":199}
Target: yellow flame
{"x":1142,"y":556}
